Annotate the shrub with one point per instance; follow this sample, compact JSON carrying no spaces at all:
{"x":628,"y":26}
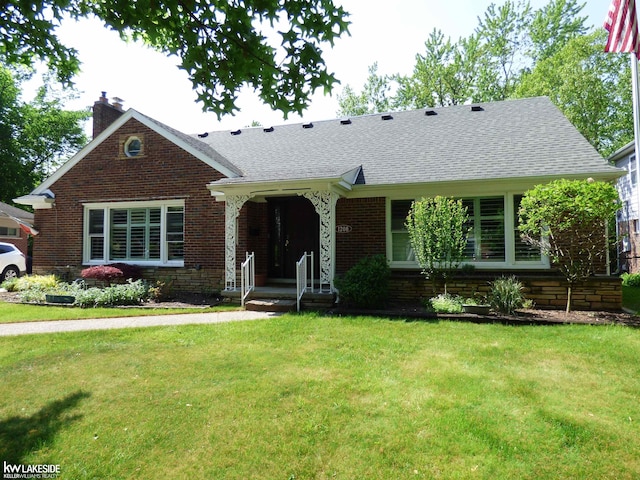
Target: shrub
{"x":366,"y":284}
{"x":30,"y":282}
{"x":445,"y":303}
{"x":130,"y":293}
{"x":628,"y":279}
{"x":133,"y":272}
{"x":505,"y":295}
{"x":113,"y":272}
{"x":438,"y":233}
{"x":10,"y":285}
{"x":161,"y":290}
{"x":567,"y":220}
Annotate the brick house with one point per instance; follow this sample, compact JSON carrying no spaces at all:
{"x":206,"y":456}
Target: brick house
{"x":189,"y":207}
{"x":15,"y":226}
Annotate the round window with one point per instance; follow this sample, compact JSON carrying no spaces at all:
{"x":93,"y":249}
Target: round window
{"x":132,"y":147}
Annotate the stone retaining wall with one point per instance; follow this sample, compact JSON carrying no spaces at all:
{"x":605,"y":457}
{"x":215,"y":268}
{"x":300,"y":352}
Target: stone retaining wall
{"x":192,"y":280}
{"x":546,"y":291}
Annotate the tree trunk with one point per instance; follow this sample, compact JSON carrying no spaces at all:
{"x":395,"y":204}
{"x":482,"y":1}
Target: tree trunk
{"x":568,"y":299}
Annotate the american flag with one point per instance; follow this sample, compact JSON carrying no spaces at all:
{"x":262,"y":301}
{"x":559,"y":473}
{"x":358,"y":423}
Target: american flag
{"x":622,"y":25}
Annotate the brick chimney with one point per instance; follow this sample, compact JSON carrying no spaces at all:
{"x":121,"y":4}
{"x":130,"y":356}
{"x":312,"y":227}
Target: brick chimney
{"x":104,"y":114}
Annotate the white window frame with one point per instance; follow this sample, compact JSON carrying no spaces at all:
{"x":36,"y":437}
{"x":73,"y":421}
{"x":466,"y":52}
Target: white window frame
{"x":107,"y":207}
{"x":9,"y":235}
{"x":509,"y":261}
{"x":632,"y":167}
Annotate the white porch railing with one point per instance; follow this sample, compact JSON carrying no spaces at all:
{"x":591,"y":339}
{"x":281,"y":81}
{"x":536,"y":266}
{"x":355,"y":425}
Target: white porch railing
{"x":304,"y":281}
{"x":247,"y":277}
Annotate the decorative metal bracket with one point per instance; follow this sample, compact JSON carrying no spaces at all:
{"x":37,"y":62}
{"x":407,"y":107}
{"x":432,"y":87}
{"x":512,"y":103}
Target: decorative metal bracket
{"x":233,"y":205}
{"x":325,"y":204}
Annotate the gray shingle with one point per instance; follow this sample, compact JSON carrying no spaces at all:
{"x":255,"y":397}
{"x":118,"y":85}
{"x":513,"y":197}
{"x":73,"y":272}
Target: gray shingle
{"x":194,"y":142}
{"x":510,"y":139}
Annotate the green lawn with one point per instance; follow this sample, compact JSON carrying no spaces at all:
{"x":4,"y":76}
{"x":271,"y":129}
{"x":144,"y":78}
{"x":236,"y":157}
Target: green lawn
{"x":316,"y":397}
{"x":17,"y":312}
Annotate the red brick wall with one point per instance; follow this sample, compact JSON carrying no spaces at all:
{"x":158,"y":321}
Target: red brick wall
{"x":162,"y":171}
{"x":366,"y":218}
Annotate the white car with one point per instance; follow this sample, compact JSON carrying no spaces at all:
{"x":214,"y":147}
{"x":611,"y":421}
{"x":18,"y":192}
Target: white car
{"x":12,"y":262}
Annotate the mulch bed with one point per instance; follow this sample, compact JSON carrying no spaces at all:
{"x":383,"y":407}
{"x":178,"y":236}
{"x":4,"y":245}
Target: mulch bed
{"x":417,"y":312}
{"x":522,"y":317}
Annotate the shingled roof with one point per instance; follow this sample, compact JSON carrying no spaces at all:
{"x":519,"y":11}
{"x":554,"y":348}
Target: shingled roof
{"x":499,"y":140}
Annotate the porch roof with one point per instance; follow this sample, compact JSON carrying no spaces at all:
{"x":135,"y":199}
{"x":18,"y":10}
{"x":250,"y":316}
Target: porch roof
{"x":500,"y":140}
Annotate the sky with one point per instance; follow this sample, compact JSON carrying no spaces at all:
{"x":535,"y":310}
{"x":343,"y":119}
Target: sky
{"x":388,"y":32}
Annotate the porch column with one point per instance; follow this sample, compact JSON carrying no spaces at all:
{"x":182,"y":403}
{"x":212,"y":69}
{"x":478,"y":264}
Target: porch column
{"x":325,"y":204}
{"x":233,"y":205}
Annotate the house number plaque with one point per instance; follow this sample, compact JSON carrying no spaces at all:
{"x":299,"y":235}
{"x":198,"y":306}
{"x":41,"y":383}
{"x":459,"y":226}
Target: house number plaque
{"x":343,"y":228}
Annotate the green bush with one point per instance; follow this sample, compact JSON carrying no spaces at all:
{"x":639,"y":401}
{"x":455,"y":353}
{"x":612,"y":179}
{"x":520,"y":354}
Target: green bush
{"x":628,"y":279}
{"x":445,"y":303}
{"x":366,"y":284}
{"x":505,"y":295}
{"x":10,"y":285}
{"x":31,"y":282}
{"x":130,"y":293}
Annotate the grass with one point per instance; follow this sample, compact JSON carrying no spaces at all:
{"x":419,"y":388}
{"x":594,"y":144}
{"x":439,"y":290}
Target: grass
{"x":17,"y":312}
{"x":305,"y":396}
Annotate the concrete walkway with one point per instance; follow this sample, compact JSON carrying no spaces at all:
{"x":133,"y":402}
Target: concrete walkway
{"x":11,"y":329}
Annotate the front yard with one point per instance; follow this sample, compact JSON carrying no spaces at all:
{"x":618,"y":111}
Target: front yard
{"x":307,"y":396}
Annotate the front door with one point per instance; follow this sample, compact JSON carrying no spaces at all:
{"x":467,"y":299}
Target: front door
{"x":294,"y":228}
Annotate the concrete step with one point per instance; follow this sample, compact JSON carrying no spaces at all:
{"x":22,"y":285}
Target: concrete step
{"x":271,"y":305}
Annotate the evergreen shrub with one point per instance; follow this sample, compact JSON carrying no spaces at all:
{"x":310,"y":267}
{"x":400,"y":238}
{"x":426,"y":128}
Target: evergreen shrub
{"x":366,"y":284}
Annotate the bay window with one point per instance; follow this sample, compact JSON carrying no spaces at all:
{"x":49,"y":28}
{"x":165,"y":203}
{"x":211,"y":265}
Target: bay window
{"x":493,"y":241}
{"x":149,"y":233}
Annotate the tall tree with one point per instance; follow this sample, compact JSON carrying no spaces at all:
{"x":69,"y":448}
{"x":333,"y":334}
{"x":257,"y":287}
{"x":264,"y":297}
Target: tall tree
{"x":447,"y":74}
{"x":516,"y":52}
{"x":553,"y":26}
{"x":488,"y":64}
{"x":503,"y":32}
{"x":222,"y":44}
{"x":35,"y":137}
{"x":590,"y":87}
{"x":374,"y":97}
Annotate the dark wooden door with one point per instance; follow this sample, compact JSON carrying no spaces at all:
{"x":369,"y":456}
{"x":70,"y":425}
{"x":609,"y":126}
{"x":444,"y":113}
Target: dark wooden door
{"x":294,"y":228}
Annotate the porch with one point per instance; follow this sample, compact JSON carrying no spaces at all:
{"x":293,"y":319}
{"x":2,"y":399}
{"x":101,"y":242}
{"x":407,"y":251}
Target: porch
{"x":281,"y":296}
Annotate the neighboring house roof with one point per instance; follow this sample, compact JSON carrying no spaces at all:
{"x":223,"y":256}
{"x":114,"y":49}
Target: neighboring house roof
{"x":17,"y":218}
{"x":622,"y":152}
{"x":9,"y":211}
{"x":510,"y":139}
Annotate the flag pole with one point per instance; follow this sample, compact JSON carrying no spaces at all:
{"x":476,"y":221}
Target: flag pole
{"x":636,"y":120}
{"x":636,"y":116}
